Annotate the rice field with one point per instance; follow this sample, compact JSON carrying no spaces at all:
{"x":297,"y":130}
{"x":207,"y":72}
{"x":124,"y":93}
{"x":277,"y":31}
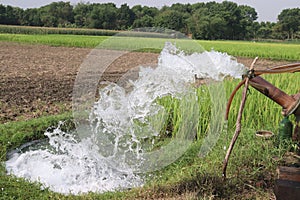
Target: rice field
{"x":275,"y":51}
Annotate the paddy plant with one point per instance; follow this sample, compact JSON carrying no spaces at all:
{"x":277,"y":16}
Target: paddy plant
{"x":275,"y":51}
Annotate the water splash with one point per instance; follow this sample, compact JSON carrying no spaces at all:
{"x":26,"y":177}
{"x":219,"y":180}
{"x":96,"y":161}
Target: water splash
{"x":69,"y":166}
{"x":124,"y":124}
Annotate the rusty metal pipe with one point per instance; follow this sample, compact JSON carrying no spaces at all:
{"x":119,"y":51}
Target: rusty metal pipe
{"x":289,"y":68}
{"x":274,"y":93}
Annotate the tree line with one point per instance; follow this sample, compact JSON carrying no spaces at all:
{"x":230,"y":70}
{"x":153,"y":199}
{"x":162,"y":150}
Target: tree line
{"x":212,"y":20}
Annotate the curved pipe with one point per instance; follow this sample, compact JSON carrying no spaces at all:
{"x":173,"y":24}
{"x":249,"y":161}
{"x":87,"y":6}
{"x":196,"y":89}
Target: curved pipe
{"x":232,"y":96}
{"x":262,"y":87}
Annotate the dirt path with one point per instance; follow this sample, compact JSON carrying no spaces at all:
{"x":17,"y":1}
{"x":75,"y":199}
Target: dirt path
{"x":37,"y":80}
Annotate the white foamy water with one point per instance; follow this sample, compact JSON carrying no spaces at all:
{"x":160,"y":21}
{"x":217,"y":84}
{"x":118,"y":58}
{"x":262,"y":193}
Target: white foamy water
{"x":71,"y":167}
{"x":125,"y":124}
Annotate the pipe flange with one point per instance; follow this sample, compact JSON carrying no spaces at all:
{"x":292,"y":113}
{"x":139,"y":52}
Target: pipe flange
{"x":295,"y":108}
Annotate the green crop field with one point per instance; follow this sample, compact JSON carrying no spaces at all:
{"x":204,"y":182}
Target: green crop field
{"x":51,"y":30}
{"x":55,"y":40}
{"x":276,"y":51}
{"x":252,"y":167}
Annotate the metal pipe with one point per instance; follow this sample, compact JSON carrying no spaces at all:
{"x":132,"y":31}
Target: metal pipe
{"x":286,"y":101}
{"x":290,"y":68}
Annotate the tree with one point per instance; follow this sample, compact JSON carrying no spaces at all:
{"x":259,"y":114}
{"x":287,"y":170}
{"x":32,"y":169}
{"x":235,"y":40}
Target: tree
{"x":145,"y":21}
{"x":248,"y":16}
{"x":81,"y":12}
{"x":144,"y":16}
{"x":171,"y":19}
{"x":266,"y":30}
{"x":32,"y":17}
{"x":211,"y":20}
{"x":109,"y":16}
{"x":138,"y":11}
{"x":102,"y":16}
{"x":289,"y":22}
{"x":2,"y":14}
{"x":255,"y":29}
{"x":197,"y":6}
{"x":232,"y":15}
{"x":183,"y":8}
{"x":125,"y":17}
{"x":10,"y":15}
{"x":150,"y":11}
{"x":57,"y":14}
{"x":206,"y":25}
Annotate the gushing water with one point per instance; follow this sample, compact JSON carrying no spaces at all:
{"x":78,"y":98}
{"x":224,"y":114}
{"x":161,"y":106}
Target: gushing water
{"x":125,"y":123}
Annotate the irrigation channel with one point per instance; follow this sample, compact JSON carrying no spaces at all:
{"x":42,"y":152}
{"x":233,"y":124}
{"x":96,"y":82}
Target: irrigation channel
{"x":120,"y":135}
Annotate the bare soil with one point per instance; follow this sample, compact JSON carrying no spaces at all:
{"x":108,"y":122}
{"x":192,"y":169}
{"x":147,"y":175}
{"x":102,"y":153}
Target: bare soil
{"x":38,"y":80}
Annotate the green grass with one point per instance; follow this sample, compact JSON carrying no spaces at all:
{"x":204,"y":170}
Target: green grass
{"x":252,"y":167}
{"x":53,"y":30}
{"x":13,"y":134}
{"x":143,"y":44}
{"x":251,"y":170}
{"x":276,"y":51}
{"x":55,"y":40}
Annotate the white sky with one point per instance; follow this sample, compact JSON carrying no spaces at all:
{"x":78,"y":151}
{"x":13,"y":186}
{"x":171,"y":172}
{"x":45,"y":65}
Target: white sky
{"x":267,"y":10}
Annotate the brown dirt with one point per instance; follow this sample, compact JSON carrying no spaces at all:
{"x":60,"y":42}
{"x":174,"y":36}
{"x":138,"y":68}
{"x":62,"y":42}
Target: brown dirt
{"x":37,"y":80}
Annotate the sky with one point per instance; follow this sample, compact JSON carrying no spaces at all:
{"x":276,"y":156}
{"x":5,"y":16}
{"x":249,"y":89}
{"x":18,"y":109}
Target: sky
{"x":267,"y":10}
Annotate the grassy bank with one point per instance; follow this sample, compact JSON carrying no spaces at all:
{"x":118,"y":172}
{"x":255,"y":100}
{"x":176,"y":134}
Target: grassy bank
{"x":276,"y":51}
{"x":251,"y":171}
